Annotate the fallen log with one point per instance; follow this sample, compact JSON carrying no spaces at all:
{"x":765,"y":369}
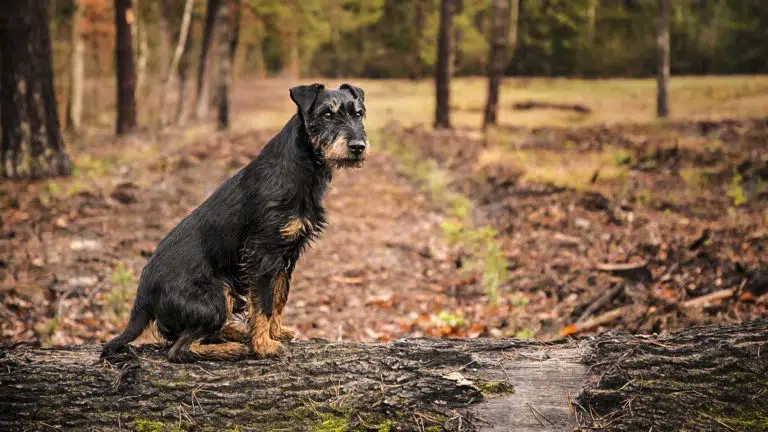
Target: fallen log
{"x":706,"y":378}
{"x":529,"y":105}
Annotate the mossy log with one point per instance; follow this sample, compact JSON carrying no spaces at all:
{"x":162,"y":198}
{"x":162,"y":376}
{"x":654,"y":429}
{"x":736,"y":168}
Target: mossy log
{"x":707,"y":378}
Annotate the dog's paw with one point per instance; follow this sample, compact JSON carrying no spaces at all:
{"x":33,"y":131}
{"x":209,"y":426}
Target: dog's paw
{"x":286,"y":334}
{"x":267,"y":348}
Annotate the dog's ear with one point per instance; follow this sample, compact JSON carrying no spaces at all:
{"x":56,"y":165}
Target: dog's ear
{"x":357,"y":92}
{"x":304,"y":96}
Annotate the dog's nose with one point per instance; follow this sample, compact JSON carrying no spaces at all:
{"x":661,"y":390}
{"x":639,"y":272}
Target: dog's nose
{"x":356,"y":147}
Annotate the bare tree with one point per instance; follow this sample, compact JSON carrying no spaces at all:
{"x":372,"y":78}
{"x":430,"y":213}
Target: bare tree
{"x":179,"y":62}
{"x":662,"y":87}
{"x":31,"y":139}
{"x":77,"y":72}
{"x":443,"y":67}
{"x":503,"y":38}
{"x":126,"y":94}
{"x":201,"y":99}
{"x":224,"y":62}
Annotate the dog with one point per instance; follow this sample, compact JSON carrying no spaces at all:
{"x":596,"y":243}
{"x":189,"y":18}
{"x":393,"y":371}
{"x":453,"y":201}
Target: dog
{"x":236,"y":252}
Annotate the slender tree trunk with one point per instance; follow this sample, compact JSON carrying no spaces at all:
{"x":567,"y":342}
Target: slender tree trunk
{"x":292,"y":66}
{"x":139,"y":34}
{"x":701,"y":379}
{"x":224,"y":62}
{"x":662,"y":88}
{"x":183,"y":74}
{"x":30,"y":120}
{"x":443,"y":67}
{"x":234,"y":34}
{"x":77,"y":72}
{"x":126,"y":93}
{"x":178,"y":64}
{"x":497,"y":63}
{"x":201,"y":98}
{"x":164,"y":39}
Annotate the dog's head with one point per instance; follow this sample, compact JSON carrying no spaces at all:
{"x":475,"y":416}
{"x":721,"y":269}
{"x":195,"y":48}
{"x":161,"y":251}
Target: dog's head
{"x":334,"y":122}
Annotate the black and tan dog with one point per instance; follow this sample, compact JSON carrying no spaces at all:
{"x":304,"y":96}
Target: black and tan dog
{"x":238,"y":249}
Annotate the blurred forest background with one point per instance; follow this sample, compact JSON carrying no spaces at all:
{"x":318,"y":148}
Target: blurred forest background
{"x":525,"y":186}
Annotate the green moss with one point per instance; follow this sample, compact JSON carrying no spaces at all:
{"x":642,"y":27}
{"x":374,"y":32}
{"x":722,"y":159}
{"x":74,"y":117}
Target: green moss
{"x":435,"y":429}
{"x":736,"y":191}
{"x":495,"y":387}
{"x":386,"y":426}
{"x":746,"y":421}
{"x":143,"y":425}
{"x":331,"y":423}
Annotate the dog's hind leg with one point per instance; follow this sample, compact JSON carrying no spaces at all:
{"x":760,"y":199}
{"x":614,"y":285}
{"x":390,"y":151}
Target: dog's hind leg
{"x":234,"y":331}
{"x":188,"y":348}
{"x":280,"y":289}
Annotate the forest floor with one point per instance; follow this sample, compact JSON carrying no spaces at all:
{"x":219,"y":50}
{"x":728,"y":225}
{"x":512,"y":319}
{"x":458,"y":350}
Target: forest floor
{"x":526,"y":230}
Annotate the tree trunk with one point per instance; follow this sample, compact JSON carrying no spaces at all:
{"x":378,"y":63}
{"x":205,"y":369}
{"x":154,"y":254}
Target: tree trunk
{"x":662,"y":87}
{"x":234,"y":35}
{"x":126,"y":93}
{"x":201,"y":99}
{"x":183,"y":74}
{"x":140,"y":36}
{"x":500,"y":37}
{"x":443,"y":66}
{"x":30,"y":121}
{"x":707,"y":378}
{"x":292,"y":66}
{"x":224,"y":63}
{"x":176,"y":65}
{"x":77,"y":72}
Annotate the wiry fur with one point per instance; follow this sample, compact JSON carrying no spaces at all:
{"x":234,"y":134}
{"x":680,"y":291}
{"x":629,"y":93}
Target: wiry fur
{"x":236,"y":252}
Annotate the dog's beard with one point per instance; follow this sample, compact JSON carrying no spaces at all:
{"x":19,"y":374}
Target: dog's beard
{"x":347,"y":163}
{"x":337,"y":155}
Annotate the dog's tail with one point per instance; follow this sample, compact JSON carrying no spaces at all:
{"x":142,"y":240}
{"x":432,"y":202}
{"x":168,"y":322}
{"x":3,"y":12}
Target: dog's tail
{"x":139,"y":321}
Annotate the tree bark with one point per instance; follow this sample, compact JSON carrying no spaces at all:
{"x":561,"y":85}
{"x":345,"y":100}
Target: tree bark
{"x":443,"y":66}
{"x":126,"y":92}
{"x":706,"y":378}
{"x":662,"y":87}
{"x":77,"y":72}
{"x":224,"y":63}
{"x":30,"y":121}
{"x":501,"y":18}
{"x":201,"y":99}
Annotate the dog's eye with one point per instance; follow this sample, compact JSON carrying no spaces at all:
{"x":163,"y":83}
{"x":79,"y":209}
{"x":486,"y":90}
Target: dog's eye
{"x":359,"y":114}
{"x":327,"y":116}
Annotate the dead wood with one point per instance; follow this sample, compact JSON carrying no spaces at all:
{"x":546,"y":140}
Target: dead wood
{"x":610,"y":382}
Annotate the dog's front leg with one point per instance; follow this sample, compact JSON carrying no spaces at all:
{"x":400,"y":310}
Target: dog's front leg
{"x":280,"y":289}
{"x":260,"y":310}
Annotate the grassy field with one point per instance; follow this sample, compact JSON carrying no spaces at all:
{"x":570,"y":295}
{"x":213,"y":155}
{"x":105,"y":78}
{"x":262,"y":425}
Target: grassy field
{"x":611,"y":101}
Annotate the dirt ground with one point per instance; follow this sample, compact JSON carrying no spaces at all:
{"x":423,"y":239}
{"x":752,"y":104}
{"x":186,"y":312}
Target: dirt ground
{"x":521,"y":231}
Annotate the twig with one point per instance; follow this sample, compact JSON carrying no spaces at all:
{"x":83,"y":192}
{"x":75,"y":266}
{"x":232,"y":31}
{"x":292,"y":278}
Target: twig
{"x":710,"y":298}
{"x":602,"y":300}
{"x":540,"y":414}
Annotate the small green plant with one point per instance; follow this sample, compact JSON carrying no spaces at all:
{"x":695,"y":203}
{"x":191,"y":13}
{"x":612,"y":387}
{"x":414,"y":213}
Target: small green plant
{"x":48,"y":328}
{"x":736,"y":191}
{"x":643,"y":197}
{"x":519,"y":299}
{"x":121,"y":275}
{"x":622,"y":157}
{"x":117,"y":298}
{"x":524,"y":334}
{"x":49,"y":191}
{"x":449,"y":319}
